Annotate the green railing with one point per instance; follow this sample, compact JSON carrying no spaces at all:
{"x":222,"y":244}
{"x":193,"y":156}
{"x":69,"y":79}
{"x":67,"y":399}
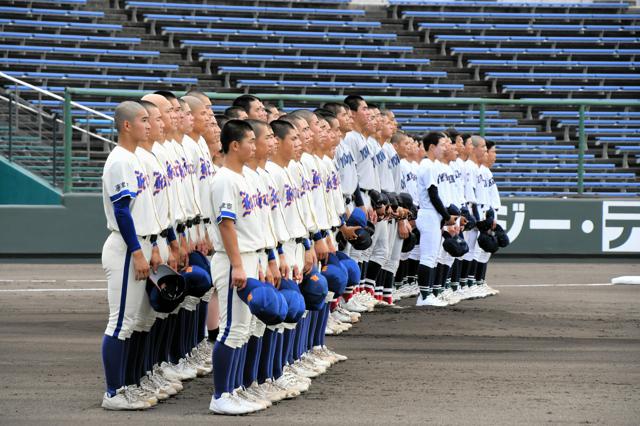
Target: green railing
{"x":381,"y":100}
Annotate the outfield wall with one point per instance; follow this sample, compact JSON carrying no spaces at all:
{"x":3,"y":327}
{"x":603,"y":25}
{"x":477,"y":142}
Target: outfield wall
{"x":535,"y":227}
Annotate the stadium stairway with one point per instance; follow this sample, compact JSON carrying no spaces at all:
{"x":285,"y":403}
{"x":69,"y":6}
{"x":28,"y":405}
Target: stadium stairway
{"x":537,"y":153}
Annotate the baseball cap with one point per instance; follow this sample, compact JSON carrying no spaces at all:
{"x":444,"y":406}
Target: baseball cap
{"x":488,"y":242}
{"x":455,"y":246}
{"x":314,"y":288}
{"x":409,"y":243}
{"x":363,"y":241}
{"x":295,"y":301}
{"x":353,"y":270}
{"x":197,"y":279}
{"x":501,"y":236}
{"x":263,"y":301}
{"x":335,"y":274}
{"x":198,"y":259}
{"x":166,"y":289}
{"x":357,"y":218}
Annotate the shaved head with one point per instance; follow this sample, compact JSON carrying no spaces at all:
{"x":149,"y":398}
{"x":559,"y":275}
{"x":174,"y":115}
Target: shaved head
{"x":126,"y":111}
{"x":166,"y":111}
{"x":194,"y":103}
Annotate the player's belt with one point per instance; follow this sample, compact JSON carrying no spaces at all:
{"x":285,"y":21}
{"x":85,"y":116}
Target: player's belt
{"x":366,"y":191}
{"x":164,"y":233}
{"x":347,"y":199}
{"x":300,"y":240}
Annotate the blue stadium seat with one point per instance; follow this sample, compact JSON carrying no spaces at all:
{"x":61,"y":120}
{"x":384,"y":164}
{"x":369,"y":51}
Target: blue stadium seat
{"x":279,"y":33}
{"x":80,"y":51}
{"x":456,"y":121}
{"x":101,"y":77}
{"x":68,"y":37}
{"x":533,"y":39}
{"x":483,"y":27}
{"x":59,"y":25}
{"x":522,"y":4}
{"x":34,"y":11}
{"x":444,"y":112}
{"x":564,"y":166}
{"x":348,"y":85}
{"x":524,"y":147}
{"x":545,"y":175}
{"x":352,"y":60}
{"x":541,"y":156}
{"x":626,"y":151}
{"x":499,"y":131}
{"x":88,"y":64}
{"x":533,"y":64}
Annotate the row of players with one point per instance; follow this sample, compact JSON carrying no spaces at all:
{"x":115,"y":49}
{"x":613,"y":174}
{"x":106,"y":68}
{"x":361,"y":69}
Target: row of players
{"x":275,"y":201}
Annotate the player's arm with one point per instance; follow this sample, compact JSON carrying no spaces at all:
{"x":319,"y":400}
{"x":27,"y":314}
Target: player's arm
{"x":438,"y":205}
{"x":229,"y":237}
{"x":128,"y":231}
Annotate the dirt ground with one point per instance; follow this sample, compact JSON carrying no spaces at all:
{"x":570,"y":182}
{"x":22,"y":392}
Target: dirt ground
{"x":555,"y":346}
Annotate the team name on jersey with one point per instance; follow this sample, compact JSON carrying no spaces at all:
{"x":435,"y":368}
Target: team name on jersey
{"x":445,"y":177}
{"x":379,"y":158}
{"x":364,"y":153}
{"x":143,"y":181}
{"x":205,"y":169}
{"x":394,"y":162}
{"x":289,"y":195}
{"x":248,"y":203}
{"x":345,"y":159}
{"x":316,"y":179}
{"x":274,"y":200}
{"x":160,"y":182}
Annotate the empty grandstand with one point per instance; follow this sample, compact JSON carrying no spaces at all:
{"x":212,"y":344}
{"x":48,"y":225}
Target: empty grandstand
{"x":508,"y":51}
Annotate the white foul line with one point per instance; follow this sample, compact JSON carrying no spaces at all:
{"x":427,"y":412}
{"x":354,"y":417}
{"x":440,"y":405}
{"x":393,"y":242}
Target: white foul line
{"x":48,"y":290}
{"x":555,"y":285}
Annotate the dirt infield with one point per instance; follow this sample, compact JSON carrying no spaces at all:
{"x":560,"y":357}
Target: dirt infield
{"x":535,"y":354}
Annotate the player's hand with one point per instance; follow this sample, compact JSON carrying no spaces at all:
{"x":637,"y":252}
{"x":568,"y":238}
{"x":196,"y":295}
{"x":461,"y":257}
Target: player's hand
{"x":284,"y":267}
{"x":183,"y":257}
{"x":494,"y":224}
{"x":156,"y":259}
{"x":172,"y":261}
{"x":349,"y":232}
{"x":140,"y":265}
{"x":403,"y":229}
{"x":209,"y":245}
{"x":238,"y":277}
{"x":297,"y":275}
{"x":309,"y":257}
{"x":275,"y":273}
{"x":463,"y":221}
{"x":371,"y":214}
{"x":452,"y":220}
{"x":321,"y":249}
{"x":330,"y":246}
{"x":267,"y":276}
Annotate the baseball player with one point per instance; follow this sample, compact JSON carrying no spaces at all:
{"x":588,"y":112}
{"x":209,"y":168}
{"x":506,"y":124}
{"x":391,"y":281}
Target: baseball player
{"x":432,"y":212}
{"x":128,"y":205}
{"x":237,"y":239}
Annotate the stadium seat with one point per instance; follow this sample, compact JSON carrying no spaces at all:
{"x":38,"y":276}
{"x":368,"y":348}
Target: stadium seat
{"x":80,"y":51}
{"x":46,"y":63}
{"x":34,"y":11}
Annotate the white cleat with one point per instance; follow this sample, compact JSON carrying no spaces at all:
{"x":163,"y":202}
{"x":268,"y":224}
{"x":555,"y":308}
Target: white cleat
{"x":149,"y":386}
{"x":163,"y":384}
{"x":430,"y":300}
{"x":247,"y":397}
{"x":354,"y":316}
{"x":273,"y":392}
{"x":256,"y":391}
{"x":228,"y":405}
{"x":291,"y":387}
{"x":142,"y":395}
{"x":337,"y":356}
{"x":354,"y":306}
{"x":169,"y":375}
{"x":341,"y":317}
{"x":123,"y":400}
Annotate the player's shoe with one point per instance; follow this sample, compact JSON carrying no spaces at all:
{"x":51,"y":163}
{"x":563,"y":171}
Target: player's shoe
{"x":203,"y":361}
{"x":302,"y":384}
{"x":259,"y":394}
{"x":341,"y":316}
{"x":450,"y":297}
{"x":304,"y":381}
{"x":149,"y":386}
{"x":292,"y":388}
{"x":142,"y":395}
{"x":336,"y":355}
{"x":185,"y":369}
{"x":301,"y":371}
{"x":245,"y":396}
{"x":354,"y":316}
{"x":274,"y":393}
{"x":354,"y":306}
{"x":430,"y":300}
{"x":316,"y":361}
{"x":163,"y":384}
{"x":166,"y":371}
{"x":311,"y":370}
{"x":228,"y":405}
{"x":320,"y":353}
{"x":123,"y":400}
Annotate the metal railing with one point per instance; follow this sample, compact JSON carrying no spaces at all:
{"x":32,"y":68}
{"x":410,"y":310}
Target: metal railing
{"x":15,"y":103}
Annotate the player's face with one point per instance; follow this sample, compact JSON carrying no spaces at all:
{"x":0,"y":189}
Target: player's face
{"x":186,"y":122}
{"x":336,"y":133}
{"x":257,"y":111}
{"x":440,"y":149}
{"x":247,"y":147}
{"x":316,"y":129}
{"x":323,"y":140}
{"x":140,"y":128}
{"x":166,"y":111}
{"x":344,"y":119}
{"x":387,"y":128}
{"x":272,"y":114}
{"x":200,"y":119}
{"x":391,"y":117}
{"x":305,"y":134}
{"x":490,"y":158}
{"x":176,"y":116}
{"x":361,"y":115}
{"x":480,"y":150}
{"x":459,"y":145}
{"x":262,"y":146}
{"x":374,"y":121}
{"x":452,"y":152}
{"x":468,"y":147}
{"x":272,"y":143}
{"x":156,"y":132}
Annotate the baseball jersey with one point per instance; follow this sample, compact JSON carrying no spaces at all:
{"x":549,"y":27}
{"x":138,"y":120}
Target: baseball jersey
{"x":335,"y":188}
{"x":458,"y":172}
{"x":426,"y":177}
{"x":124,"y":176}
{"x":259,"y":196}
{"x":204,"y":175}
{"x":286,"y":191}
{"x":303,"y":183}
{"x":159,"y":184}
{"x":470,"y":181}
{"x":358,"y":145}
{"x":329,"y":186}
{"x":377,"y":158}
{"x":393,"y":166}
{"x":346,"y":165}
{"x":494,"y":194}
{"x":279,"y":224}
{"x":409,"y":179}
{"x":231,"y":199}
{"x":165,"y":156}
{"x":192,"y":157}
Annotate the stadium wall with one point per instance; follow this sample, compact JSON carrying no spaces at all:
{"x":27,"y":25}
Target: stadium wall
{"x":535,"y":227}
{"x":20,"y":186}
